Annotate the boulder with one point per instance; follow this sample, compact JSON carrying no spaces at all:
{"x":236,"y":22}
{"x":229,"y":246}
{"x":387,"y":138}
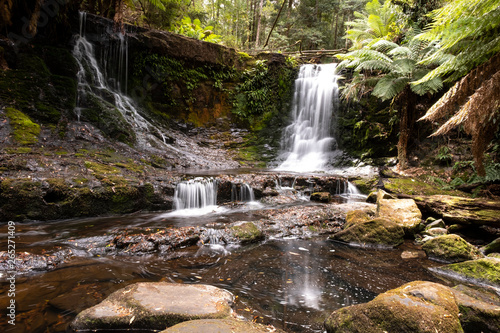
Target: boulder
{"x":378,"y":232}
{"x":458,"y":210}
{"x":247,"y":232}
{"x":450,"y":248}
{"x":402,"y":211}
{"x":321,"y":197}
{"x":492,"y":247}
{"x":415,"y":307}
{"x":155,"y":306}
{"x":436,"y":232}
{"x":357,"y":216}
{"x":479,"y":310}
{"x":483,"y":272}
{"x":215,"y":326}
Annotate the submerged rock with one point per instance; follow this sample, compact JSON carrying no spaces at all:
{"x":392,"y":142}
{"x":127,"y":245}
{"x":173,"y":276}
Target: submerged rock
{"x":378,"y":232}
{"x":247,"y":232}
{"x":416,"y":307}
{"x":450,"y":248}
{"x":155,"y":306}
{"x":215,"y":326}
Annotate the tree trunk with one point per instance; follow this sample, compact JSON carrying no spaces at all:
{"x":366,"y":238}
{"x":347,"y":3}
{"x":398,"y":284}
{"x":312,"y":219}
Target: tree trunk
{"x":406,"y":115}
{"x":259,"y":16}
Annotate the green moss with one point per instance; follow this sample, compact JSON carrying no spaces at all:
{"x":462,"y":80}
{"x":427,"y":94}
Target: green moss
{"x":100,"y":168}
{"x":131,"y":166}
{"x":247,"y":232}
{"x":25,"y":132}
{"x":451,"y":248}
{"x":19,"y":150}
{"x":411,"y":186}
{"x":485,"y":269}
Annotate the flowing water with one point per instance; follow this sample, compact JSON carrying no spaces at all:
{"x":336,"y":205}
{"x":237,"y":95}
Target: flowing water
{"x":308,"y":142}
{"x":291,"y":283}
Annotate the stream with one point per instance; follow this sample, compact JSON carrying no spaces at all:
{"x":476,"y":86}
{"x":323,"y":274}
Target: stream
{"x":293,"y":283}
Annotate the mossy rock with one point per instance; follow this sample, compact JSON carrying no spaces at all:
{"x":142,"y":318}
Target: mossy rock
{"x":416,"y":307}
{"x":25,"y":131}
{"x":357,"y":216}
{"x":450,"y":248}
{"x":324,"y":197}
{"x":492,"y":247}
{"x":479,"y":310}
{"x":460,"y":210}
{"x":412,"y":186}
{"x":247,"y":232}
{"x":365,"y":185}
{"x":378,"y":233}
{"x":483,"y":272}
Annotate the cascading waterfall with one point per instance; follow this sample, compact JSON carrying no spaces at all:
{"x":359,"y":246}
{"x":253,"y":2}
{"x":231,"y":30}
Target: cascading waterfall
{"x":105,"y":81}
{"x":245,"y":193}
{"x":306,"y":143}
{"x":195,"y":193}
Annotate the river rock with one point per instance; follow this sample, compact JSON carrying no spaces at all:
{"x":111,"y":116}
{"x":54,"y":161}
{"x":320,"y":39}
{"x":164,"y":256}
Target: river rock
{"x":436,"y":231}
{"x":402,"y":211}
{"x":482,"y":272}
{"x":479,"y":310}
{"x":450,"y":248}
{"x":378,"y":232}
{"x":247,"y":232}
{"x":321,"y":197}
{"x":458,"y":210}
{"x":415,"y":307}
{"x":215,"y":326}
{"x":155,"y":306}
{"x":492,"y":247}
{"x":435,"y":224}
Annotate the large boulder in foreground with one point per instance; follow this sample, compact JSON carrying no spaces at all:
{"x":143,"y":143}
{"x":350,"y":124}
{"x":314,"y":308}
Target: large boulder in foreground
{"x":450,"y":248}
{"x":416,"y":307}
{"x":216,"y":326}
{"x":155,"y":306}
{"x":378,"y":232}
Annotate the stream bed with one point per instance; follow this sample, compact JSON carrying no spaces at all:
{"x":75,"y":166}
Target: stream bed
{"x":293,"y":283}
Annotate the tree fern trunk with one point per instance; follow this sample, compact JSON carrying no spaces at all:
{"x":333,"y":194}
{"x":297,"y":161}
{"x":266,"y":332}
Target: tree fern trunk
{"x":407,"y":103}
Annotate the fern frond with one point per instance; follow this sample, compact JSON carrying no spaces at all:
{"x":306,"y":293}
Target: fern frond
{"x":383,"y":45}
{"x":375,"y":65}
{"x":390,"y":86}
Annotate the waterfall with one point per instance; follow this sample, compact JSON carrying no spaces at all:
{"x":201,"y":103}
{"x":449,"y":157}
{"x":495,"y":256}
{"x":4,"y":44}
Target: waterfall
{"x":105,"y":81}
{"x":244,"y":194}
{"x":306,"y":143}
{"x":195,"y":193}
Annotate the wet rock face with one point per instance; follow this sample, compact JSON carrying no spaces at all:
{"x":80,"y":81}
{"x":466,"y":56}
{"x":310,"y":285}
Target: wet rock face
{"x":416,"y":307}
{"x":450,"y":248}
{"x":216,"y":326}
{"x":155,"y":306}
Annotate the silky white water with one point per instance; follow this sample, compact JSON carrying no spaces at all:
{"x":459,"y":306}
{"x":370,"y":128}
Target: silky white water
{"x":306,"y":143}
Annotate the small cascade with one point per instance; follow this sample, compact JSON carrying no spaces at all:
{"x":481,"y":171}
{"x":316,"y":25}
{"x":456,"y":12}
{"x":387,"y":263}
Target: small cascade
{"x":350,"y":191}
{"x":306,"y":143}
{"x":242,"y":192}
{"x":195,"y":193}
{"x":103,"y":82}
{"x":246,"y":193}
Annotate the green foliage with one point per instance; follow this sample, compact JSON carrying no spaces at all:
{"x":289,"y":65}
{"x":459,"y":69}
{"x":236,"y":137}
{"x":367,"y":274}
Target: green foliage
{"x":444,"y":155}
{"x":386,"y":68}
{"x":193,"y":29}
{"x":376,"y":22}
{"x":467,"y":33}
